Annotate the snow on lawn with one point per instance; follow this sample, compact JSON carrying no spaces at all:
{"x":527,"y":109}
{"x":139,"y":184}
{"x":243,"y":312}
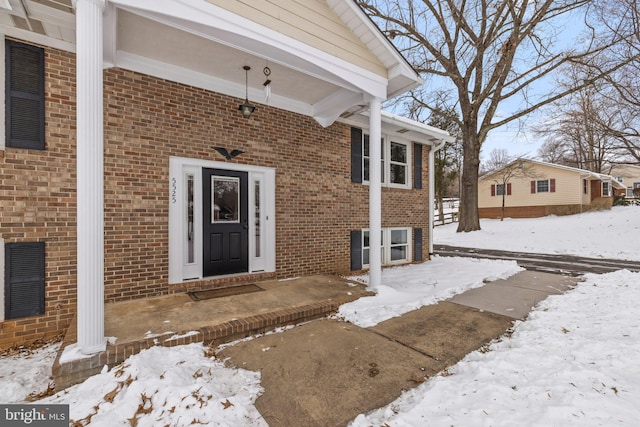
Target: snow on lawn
{"x":166,"y":386}
{"x":613,"y":234}
{"x":410,"y":287}
{"x":575,"y":361}
{"x":26,"y":373}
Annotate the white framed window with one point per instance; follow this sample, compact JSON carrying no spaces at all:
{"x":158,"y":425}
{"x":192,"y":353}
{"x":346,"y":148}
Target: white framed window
{"x":585,"y":186}
{"x":395,"y":247}
{"x":499,"y":189}
{"x":542,"y":186}
{"x":606,"y":189}
{"x":396,"y":161}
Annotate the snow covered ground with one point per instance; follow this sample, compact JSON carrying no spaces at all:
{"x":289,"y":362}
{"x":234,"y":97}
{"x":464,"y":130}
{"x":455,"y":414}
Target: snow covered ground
{"x":574,"y":361}
{"x":410,"y":287}
{"x":606,"y":234}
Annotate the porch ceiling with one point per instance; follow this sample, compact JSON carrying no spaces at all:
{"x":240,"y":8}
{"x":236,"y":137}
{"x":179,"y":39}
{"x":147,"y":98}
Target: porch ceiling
{"x":199,"y":44}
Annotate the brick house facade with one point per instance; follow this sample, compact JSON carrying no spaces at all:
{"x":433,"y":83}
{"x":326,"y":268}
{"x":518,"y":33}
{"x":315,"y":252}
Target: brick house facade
{"x":148,"y":120}
{"x":127,"y":170}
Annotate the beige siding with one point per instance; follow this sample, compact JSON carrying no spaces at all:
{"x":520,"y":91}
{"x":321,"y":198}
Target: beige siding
{"x":311,"y":22}
{"x":628,"y":173}
{"x":568,"y":189}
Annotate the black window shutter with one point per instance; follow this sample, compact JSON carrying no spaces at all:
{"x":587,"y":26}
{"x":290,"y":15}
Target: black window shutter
{"x":356,"y":155}
{"x":24,"y":279}
{"x":24,"y":92}
{"x":417,"y":244}
{"x":356,"y":250}
{"x":417,"y":166}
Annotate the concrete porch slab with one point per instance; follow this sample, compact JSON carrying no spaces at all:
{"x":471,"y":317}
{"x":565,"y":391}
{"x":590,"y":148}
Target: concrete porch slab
{"x":177,"y":319}
{"x":175,"y":314}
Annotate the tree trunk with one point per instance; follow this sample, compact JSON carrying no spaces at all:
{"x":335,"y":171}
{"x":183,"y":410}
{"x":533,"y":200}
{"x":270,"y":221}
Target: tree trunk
{"x":469,"y":218}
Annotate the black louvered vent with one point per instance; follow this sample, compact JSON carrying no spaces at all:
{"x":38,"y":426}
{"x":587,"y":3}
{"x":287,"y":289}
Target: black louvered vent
{"x":417,"y":166}
{"x":24,"y":279}
{"x":356,"y":155}
{"x":356,"y":250}
{"x":417,"y":244}
{"x":25,"y":96}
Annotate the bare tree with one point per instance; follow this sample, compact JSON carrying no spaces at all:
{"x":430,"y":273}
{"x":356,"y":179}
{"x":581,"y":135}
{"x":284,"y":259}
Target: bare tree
{"x":485,"y":53}
{"x":447,"y":160}
{"x":577,"y":132}
{"x":504,"y":173}
{"x":622,"y":17}
{"x":554,"y":150}
{"x":498,"y":157}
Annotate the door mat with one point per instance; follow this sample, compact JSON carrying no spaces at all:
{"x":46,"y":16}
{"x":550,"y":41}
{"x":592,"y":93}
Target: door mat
{"x":224,"y":292}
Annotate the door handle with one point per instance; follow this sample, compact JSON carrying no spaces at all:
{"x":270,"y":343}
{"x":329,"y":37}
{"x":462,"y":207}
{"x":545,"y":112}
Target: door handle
{"x":245,"y":226}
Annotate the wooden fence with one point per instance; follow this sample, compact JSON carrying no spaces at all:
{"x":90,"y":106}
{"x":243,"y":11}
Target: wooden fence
{"x":448,"y":217}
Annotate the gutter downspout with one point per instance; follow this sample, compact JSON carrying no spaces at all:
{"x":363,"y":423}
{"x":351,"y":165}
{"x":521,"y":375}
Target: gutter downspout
{"x":432,"y":191}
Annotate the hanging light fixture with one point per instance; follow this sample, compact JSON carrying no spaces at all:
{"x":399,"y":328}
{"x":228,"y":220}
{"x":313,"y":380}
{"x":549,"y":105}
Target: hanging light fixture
{"x":245,"y":108}
{"x":267,"y":83}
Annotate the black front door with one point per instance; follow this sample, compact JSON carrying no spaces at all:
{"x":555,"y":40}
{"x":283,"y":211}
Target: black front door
{"x":226,"y":231}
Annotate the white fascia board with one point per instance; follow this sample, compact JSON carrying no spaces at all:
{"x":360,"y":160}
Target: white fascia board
{"x":205,"y":81}
{"x":36,"y":38}
{"x":417,"y":132}
{"x":403,"y":68}
{"x":416,"y":126}
{"x":244,"y":34}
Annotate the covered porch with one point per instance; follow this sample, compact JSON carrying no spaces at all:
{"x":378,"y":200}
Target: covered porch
{"x":326,"y":61}
{"x":213,"y":45}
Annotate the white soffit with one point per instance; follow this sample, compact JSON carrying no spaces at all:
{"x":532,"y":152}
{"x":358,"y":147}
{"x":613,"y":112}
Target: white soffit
{"x":190,"y":36}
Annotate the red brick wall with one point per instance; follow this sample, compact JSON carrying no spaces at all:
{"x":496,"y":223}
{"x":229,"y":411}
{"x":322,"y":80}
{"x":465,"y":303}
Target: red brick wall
{"x":38,"y":196}
{"x":147,"y":120}
{"x":540,"y":211}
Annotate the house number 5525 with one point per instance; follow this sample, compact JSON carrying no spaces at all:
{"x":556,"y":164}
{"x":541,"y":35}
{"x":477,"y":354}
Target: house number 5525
{"x":174,"y":190}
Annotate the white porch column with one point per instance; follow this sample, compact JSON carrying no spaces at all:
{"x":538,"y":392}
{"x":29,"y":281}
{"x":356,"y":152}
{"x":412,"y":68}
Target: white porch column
{"x":90,"y":175}
{"x":375,"y":192}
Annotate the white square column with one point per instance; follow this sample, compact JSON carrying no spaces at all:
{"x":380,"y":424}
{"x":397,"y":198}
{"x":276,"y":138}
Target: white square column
{"x":375,"y":192}
{"x":90,"y":175}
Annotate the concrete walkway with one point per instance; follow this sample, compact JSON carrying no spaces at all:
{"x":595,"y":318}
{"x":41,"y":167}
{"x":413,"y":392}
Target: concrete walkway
{"x":326,"y":372}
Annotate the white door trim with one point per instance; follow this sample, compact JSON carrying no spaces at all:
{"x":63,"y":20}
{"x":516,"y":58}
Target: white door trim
{"x":179,"y":268}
